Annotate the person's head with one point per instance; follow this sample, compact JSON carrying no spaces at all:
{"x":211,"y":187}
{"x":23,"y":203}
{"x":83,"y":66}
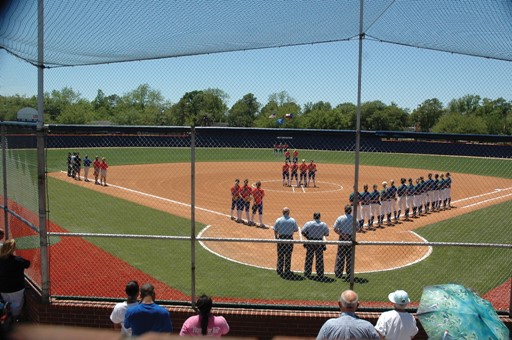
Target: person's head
{"x":97,"y":158}
{"x":348,"y":209}
{"x":402,"y":180}
{"x":237,"y":181}
{"x":303,"y":161}
{"x":8,"y":248}
{"x":258,"y":184}
{"x":2,"y":233}
{"x":86,"y":156}
{"x":246,"y":182}
{"x":103,"y":159}
{"x":286,"y":211}
{"x":365,"y":187}
{"x":349,"y":301}
{"x":312,"y":161}
{"x":375,"y":186}
{"x":400,"y":299}
{"x":436,"y":176}
{"x":447,"y":174}
{"x":204,"y":305}
{"x":132,"y":290}
{"x":147,"y":290}
{"x":430,"y":176}
{"x":392,"y":182}
{"x":410,"y":180}
{"x":384,"y":184}
{"x":316,"y":216}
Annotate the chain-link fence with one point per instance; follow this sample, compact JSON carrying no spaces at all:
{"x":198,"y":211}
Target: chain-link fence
{"x":156,"y":205}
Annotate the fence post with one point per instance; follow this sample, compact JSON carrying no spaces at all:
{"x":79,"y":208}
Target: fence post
{"x":4,"y":175}
{"x":193,"y":213}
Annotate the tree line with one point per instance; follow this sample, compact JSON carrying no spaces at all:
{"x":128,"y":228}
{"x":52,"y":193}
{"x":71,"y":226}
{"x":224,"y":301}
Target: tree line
{"x":469,"y":114}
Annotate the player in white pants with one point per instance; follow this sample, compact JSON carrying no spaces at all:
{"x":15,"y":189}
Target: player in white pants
{"x":410,"y":199}
{"x":375,"y":206}
{"x":366,"y":212}
{"x":385,"y":208}
{"x":402,"y":199}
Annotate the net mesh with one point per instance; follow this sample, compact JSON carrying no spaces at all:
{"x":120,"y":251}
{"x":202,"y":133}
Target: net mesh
{"x":84,"y":33}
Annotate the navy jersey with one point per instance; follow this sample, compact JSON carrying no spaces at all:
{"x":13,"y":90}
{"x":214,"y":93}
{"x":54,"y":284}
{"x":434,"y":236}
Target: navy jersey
{"x":392,"y":192}
{"x":411,"y":190}
{"x":384,"y":194}
{"x":448,"y":182}
{"x":402,"y":190}
{"x":351,"y":198}
{"x":365,"y":197}
{"x":375,"y":197}
{"x":417,"y":189}
{"x":429,"y":184}
{"x":436,"y":185}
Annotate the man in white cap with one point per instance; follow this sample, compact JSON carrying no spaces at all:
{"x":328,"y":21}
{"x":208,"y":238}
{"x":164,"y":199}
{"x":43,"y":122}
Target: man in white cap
{"x":397,"y":324}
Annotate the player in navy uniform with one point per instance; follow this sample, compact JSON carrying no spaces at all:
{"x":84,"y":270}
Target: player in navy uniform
{"x":375,"y":206}
{"x":366,"y":213}
{"x":435,"y":187}
{"x":448,"y":190}
{"x":392,"y":198}
{"x":410,"y":200}
{"x":430,"y":195}
{"x":385,"y":209}
{"x":352,"y":200}
{"x":402,"y":199}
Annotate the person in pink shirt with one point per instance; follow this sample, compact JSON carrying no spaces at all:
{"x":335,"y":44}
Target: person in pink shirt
{"x":205,"y":324}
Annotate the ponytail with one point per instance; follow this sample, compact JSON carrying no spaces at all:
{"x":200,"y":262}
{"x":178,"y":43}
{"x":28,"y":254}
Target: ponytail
{"x":204,"y":306}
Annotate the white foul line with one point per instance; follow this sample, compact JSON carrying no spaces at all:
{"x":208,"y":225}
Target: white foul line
{"x":487,"y":193}
{"x":489,"y":200}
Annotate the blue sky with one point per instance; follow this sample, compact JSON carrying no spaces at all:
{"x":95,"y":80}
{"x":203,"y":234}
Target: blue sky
{"x":404,"y":75}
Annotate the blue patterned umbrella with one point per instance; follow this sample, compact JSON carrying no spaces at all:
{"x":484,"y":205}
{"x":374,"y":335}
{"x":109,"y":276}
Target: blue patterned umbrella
{"x":454,"y":312}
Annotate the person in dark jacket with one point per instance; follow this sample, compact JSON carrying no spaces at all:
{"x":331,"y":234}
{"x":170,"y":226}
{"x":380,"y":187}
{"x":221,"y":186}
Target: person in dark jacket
{"x":12,"y":277}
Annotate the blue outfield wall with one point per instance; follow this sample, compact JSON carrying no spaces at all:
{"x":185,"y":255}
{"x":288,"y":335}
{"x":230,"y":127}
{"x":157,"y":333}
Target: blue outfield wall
{"x":81,"y":136}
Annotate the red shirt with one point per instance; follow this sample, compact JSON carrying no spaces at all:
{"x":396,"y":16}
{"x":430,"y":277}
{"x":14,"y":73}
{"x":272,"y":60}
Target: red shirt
{"x":235,"y":192}
{"x":104,"y":165}
{"x":312,"y":167}
{"x":294,"y":167}
{"x":295,"y":154}
{"x":96,"y":163}
{"x":258,"y":195}
{"x":287,"y":154}
{"x":245,"y":191}
{"x":303,"y":167}
{"x":286,"y":167}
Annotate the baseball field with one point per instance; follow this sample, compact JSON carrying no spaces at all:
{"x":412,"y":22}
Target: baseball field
{"x":149,"y":194}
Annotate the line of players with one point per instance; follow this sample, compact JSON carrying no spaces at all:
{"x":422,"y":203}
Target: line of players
{"x":303,"y":173}
{"x":413,"y":198}
{"x":241,"y":197}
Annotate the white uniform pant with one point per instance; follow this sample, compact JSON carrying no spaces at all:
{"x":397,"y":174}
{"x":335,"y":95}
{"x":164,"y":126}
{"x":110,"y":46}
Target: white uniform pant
{"x":423,"y":198}
{"x":358,"y":217}
{"x":417,"y":200}
{"x":375,"y":208}
{"x":385,"y":208}
{"x":410,"y":202}
{"x":366,"y":212}
{"x":402,"y":203}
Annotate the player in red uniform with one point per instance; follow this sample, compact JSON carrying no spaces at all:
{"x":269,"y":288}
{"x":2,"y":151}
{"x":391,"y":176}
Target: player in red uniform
{"x":258,"y":194}
{"x":235,"y":194}
{"x":293,"y":169}
{"x":103,"y":172}
{"x":295,"y":156}
{"x":246,"y":196}
{"x":287,"y":155}
{"x":312,"y":173}
{"x":303,"y":169}
{"x":96,"y":165}
{"x":286,"y":174}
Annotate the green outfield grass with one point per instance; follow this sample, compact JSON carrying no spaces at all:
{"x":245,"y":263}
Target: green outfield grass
{"x":169,"y":261}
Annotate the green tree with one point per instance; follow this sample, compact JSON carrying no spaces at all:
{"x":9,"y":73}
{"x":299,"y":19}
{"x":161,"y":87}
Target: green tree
{"x":455,"y":122}
{"x":10,"y":105}
{"x":244,"y":111}
{"x":427,"y":114}
{"x":465,"y":105}
{"x":78,"y":113}
{"x":56,"y":101}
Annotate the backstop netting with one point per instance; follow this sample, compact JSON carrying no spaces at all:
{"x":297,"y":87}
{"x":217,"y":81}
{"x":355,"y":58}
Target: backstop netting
{"x":163,"y":213}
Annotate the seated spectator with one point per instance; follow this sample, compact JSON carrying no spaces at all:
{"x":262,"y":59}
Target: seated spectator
{"x":397,"y":324}
{"x":205,"y":323}
{"x":348,"y":325}
{"x":117,"y":316}
{"x":147,"y":316}
{"x":12,"y":277}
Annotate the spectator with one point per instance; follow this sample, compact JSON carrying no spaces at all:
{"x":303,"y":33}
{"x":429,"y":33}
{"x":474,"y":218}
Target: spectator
{"x":348,"y":325}
{"x":397,"y":324}
{"x":147,"y":316}
{"x":117,"y":316}
{"x":12,"y":277}
{"x":205,"y":323}
{"x":315,"y":230}
{"x":284,"y":227}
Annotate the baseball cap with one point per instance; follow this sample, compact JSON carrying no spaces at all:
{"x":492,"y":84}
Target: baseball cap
{"x":400,"y":297}
{"x":384,"y":183}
